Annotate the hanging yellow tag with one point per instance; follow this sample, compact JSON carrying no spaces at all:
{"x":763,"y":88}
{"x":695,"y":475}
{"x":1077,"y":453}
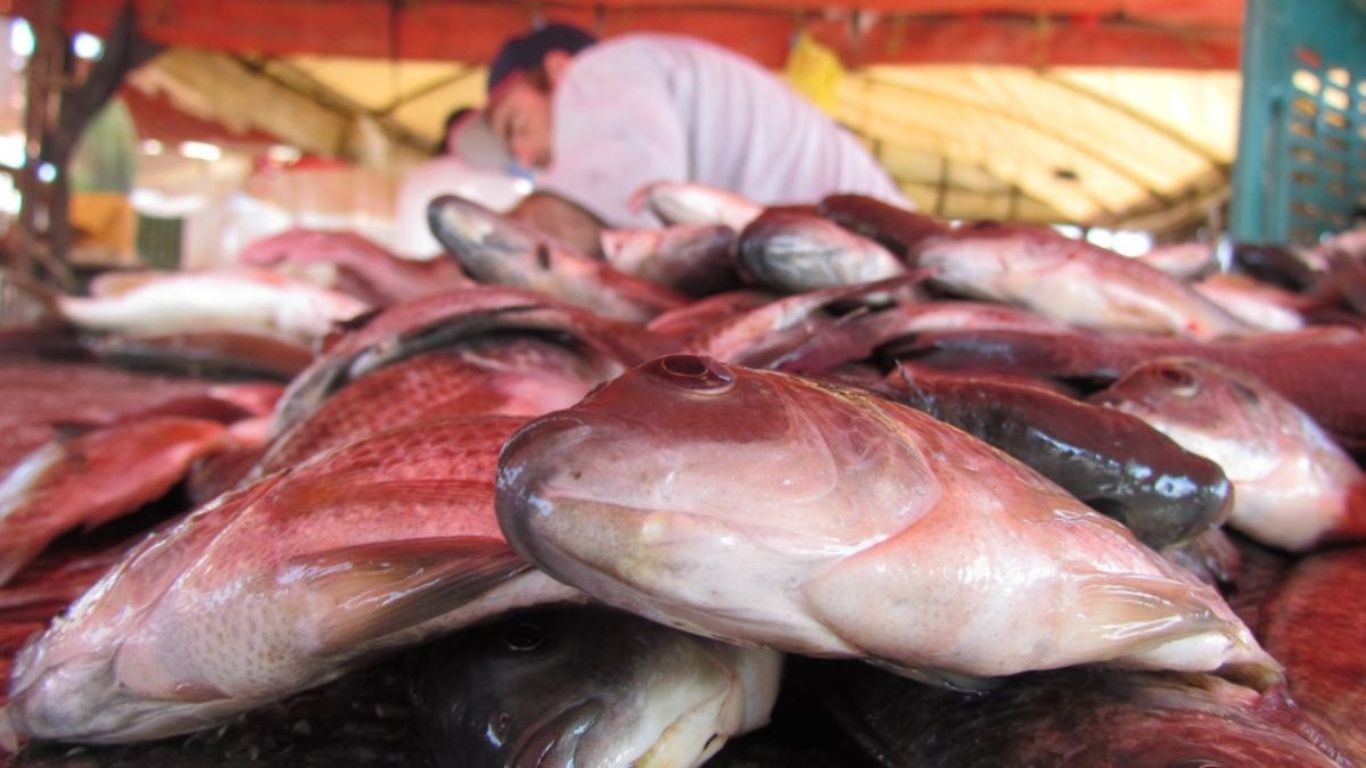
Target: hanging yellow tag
{"x":814,"y":71}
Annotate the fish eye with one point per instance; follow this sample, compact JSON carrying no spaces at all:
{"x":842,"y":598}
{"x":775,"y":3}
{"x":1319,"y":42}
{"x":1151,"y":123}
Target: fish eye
{"x":523,"y":637}
{"x":1180,"y":380}
{"x":695,"y":372}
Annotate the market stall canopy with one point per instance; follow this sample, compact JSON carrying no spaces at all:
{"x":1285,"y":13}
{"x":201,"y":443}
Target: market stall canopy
{"x":1170,"y":33}
{"x":1110,"y":112}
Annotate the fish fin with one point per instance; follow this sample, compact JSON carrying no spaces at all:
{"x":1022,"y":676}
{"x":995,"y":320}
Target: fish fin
{"x":388,"y":586}
{"x":1133,"y":618}
{"x":940,"y":678}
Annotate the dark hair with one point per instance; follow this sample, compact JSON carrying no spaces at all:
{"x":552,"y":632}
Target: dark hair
{"x":454,"y":118}
{"x":527,"y":53}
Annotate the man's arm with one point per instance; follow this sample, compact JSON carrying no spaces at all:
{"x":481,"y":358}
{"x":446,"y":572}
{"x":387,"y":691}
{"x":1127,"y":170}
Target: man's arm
{"x":561,"y":219}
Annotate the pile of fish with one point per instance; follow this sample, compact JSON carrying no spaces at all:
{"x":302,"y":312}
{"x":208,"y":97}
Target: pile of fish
{"x":837,"y":469}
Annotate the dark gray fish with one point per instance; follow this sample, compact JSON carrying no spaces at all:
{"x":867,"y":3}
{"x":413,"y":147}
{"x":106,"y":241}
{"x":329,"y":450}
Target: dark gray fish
{"x":1079,"y":718}
{"x":1117,"y":464}
{"x":588,"y":687}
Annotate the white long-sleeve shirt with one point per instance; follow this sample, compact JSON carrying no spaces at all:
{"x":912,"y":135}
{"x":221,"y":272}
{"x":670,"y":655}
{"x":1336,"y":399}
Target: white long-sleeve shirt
{"x":646,"y":107}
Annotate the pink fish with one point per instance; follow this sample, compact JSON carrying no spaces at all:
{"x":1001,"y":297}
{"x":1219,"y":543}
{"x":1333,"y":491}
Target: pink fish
{"x":280,"y":586}
{"x":762,"y":508}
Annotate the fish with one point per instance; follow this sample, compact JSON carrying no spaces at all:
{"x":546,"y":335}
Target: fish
{"x":898,"y":229}
{"x":588,"y":687}
{"x":1291,"y":268}
{"x":282,"y":585}
{"x":1182,"y":261}
{"x":685,"y":322}
{"x":216,"y":354}
{"x":1114,"y":462}
{"x":240,"y":300}
{"x":1258,"y":304}
{"x":1081,"y":718}
{"x":795,"y":253}
{"x":768,"y":333}
{"x":1293,"y":487}
{"x":762,"y":508}
{"x":363,"y":268}
{"x":1212,"y":557}
{"x":692,"y":259}
{"x":1314,"y":624}
{"x":39,"y":399}
{"x":1070,"y":280}
{"x":678,"y":202}
{"x":96,"y":477}
{"x":491,"y":376}
{"x":859,"y":337}
{"x":1317,"y":368}
{"x":457,"y":317}
{"x":499,"y":250}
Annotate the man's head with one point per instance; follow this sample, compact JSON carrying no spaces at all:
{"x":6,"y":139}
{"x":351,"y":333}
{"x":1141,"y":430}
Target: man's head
{"x":522,"y":78}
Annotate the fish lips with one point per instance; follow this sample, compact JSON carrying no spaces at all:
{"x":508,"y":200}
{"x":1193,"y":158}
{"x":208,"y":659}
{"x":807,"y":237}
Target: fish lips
{"x":555,"y":744}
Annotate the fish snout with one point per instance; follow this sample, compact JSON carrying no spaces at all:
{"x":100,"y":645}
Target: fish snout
{"x":538,"y":458}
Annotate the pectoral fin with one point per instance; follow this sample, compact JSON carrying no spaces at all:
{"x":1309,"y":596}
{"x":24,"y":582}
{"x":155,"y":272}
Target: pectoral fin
{"x":386,"y":587}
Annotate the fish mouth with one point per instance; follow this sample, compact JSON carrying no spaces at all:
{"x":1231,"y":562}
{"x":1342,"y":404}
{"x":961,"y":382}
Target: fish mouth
{"x":555,"y":743}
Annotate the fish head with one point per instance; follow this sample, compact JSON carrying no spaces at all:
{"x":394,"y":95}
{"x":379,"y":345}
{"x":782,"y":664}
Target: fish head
{"x":1193,"y":393}
{"x":491,"y":247}
{"x":582,"y":686}
{"x":685,"y":469}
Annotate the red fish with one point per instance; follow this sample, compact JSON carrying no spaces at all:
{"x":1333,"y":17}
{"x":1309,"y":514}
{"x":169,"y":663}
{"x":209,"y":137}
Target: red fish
{"x":283,"y":585}
{"x":1316,"y":627}
{"x":91,"y":479}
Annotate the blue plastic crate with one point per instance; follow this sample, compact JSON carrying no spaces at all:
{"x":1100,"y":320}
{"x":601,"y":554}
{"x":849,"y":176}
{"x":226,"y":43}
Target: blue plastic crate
{"x":1301,"y":168}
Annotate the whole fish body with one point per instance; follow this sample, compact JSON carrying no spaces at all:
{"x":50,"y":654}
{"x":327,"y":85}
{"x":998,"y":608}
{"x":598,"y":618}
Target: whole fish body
{"x":762,"y":508}
{"x":589,"y":687}
{"x":497,"y":376}
{"x":499,"y":250}
{"x":1087,"y":718}
{"x":280,"y":586}
{"x":1113,"y":461}
{"x":1071,"y":281}
{"x":1314,"y":624}
{"x":677,"y":202}
{"x":93,"y":478}
{"x":1293,"y":486}
{"x":795,"y":253}
{"x":239,"y":300}
{"x":693,"y":259}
